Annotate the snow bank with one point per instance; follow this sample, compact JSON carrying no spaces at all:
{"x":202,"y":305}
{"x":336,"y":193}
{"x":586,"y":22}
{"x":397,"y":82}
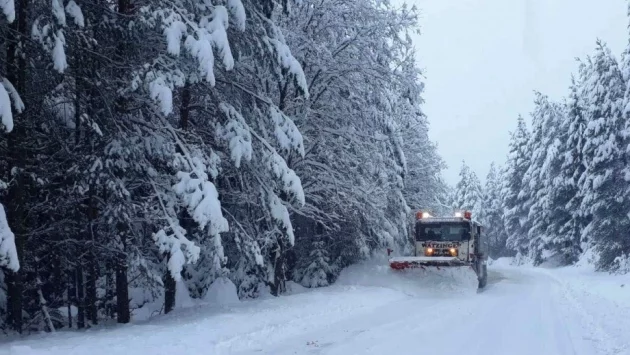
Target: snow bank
{"x":502,"y":262}
{"x":372,"y":310}
{"x":222,"y":292}
{"x":182,"y":296}
{"x":247,"y":327}
{"x":604,"y":286}
{"x":294,"y":288}
{"x":417,"y":282}
{"x":603,"y":300}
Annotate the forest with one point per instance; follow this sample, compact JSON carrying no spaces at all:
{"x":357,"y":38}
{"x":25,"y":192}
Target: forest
{"x":147,"y":145}
{"x":563,"y":194}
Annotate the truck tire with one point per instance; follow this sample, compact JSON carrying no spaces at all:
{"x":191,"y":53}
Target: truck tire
{"x":483,"y":275}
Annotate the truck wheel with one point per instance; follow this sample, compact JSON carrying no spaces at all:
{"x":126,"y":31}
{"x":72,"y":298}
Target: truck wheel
{"x":483,"y":276}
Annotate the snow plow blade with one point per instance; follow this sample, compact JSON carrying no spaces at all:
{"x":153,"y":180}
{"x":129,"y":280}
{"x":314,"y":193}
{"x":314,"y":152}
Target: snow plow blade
{"x":414,"y":262}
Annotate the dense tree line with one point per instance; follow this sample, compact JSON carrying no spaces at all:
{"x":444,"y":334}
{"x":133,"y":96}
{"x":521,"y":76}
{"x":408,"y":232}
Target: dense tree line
{"x":564,"y":192}
{"x":567,"y":192}
{"x":486,"y":203}
{"x":149,"y":145}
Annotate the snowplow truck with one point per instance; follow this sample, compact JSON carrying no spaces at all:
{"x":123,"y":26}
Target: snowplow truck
{"x":446,"y":242}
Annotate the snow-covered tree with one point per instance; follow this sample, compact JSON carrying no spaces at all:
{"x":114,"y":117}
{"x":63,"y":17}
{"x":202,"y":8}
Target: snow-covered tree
{"x":492,"y":216}
{"x":515,"y":205}
{"x":565,"y":193}
{"x":158,"y":147}
{"x":604,"y":186}
{"x":468,"y":192}
{"x":537,"y":182}
{"x":566,"y":218}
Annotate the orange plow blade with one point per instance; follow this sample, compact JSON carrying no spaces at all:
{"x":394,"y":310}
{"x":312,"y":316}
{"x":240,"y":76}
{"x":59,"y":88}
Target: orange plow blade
{"x":414,"y":262}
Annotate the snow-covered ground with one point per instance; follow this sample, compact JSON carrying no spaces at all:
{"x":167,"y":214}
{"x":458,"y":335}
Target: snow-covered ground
{"x":372,"y":310}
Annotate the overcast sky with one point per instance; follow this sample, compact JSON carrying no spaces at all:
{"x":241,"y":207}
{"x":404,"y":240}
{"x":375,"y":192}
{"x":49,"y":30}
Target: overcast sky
{"x":484,"y":58}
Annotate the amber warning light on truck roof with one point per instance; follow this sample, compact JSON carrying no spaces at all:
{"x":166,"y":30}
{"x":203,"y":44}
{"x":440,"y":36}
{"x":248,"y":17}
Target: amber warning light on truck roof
{"x":465,"y":214}
{"x":421,"y":215}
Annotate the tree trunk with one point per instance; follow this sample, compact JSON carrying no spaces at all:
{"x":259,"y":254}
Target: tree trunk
{"x":169,"y":281}
{"x":69,"y":300}
{"x":122,"y":292}
{"x":92,"y":277}
{"x":123,"y":315}
{"x":91,"y":298}
{"x":80,"y":296}
{"x":280,"y":267}
{"x":169,"y":292}
{"x":110,"y":289}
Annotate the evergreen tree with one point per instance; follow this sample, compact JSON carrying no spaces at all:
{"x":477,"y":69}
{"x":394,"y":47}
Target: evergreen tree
{"x":468,"y":192}
{"x":603,"y":185}
{"x":566,"y":217}
{"x":537,"y":181}
{"x":515,"y":202}
{"x":149,"y":149}
{"x":492,"y":221}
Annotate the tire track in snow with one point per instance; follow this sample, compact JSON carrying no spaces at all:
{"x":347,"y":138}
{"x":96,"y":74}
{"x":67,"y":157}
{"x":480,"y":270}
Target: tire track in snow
{"x":592,"y":322}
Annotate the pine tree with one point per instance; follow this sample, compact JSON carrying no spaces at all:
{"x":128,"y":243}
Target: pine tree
{"x":492,"y":220}
{"x":567,"y":219}
{"x":537,"y":180}
{"x":603,"y":185}
{"x":149,"y":148}
{"x":468,"y":192}
{"x":515,"y":206}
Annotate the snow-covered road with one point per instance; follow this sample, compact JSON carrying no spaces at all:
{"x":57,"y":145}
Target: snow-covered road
{"x":522,"y":311}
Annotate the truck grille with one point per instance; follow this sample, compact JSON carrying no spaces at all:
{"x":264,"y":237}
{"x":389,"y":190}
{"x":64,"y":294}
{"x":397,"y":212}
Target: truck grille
{"x":441,"y":252}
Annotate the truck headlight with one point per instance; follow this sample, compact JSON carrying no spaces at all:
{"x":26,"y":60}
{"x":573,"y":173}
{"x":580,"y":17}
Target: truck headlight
{"x":453,"y":251}
{"x":428,"y":251}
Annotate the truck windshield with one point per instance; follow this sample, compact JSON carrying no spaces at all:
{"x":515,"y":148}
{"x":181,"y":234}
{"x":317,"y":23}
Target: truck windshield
{"x":442,"y":231}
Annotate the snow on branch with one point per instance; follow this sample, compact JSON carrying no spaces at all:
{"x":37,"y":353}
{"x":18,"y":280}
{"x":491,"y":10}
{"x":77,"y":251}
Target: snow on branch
{"x":53,"y":42}
{"x":18,"y":104}
{"x":200,"y":196}
{"x":8,"y":92}
{"x":172,"y":241}
{"x":59,"y":53}
{"x":174,"y":244}
{"x":8,"y":252}
{"x":8,"y":9}
{"x":161,"y":93}
{"x":201,"y":49}
{"x":209,"y":33}
{"x":75,"y":12}
{"x":280,"y":214}
{"x":236,"y":132}
{"x":58,"y":12}
{"x":290,"y":182}
{"x":288,"y":61}
{"x":6,"y":116}
{"x":286,"y":132}
{"x":217,"y":28}
{"x":201,"y":199}
{"x":238,"y":11}
{"x":174,"y":33}
{"x":394,"y":133}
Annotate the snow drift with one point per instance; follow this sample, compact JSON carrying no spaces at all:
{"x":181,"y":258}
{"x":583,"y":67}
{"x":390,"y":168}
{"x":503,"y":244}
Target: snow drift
{"x":417,"y":282}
